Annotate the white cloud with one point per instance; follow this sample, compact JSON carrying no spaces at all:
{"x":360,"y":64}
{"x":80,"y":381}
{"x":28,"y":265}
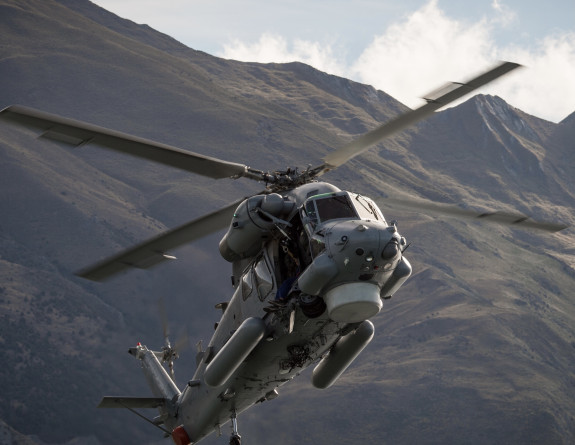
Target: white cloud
{"x":411,"y":57}
{"x":274,"y":48}
{"x":545,"y":88}
{"x":505,"y":15}
{"x":415,"y":55}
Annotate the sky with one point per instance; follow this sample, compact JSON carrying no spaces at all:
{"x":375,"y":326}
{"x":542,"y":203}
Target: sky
{"x":406,"y":48}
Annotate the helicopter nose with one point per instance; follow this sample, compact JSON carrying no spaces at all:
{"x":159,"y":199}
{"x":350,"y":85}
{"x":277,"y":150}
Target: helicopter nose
{"x":365,"y":252}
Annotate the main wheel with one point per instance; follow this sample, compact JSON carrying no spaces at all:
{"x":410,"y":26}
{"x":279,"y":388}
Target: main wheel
{"x":312,"y":306}
{"x":236,"y":440}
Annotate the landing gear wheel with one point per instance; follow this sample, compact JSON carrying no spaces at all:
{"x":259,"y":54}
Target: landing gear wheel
{"x":312,"y":306}
{"x":236,"y":439}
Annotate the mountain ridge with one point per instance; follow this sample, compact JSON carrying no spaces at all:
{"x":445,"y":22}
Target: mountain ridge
{"x":479,"y":344}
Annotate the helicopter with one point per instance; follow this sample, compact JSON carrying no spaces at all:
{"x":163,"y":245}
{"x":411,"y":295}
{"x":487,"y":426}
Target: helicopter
{"x":311,"y":265}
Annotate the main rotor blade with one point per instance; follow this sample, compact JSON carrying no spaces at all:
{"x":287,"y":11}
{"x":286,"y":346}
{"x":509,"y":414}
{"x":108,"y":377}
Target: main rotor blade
{"x":155,"y":250}
{"x":505,"y":218}
{"x":79,"y":133}
{"x":435,"y":100}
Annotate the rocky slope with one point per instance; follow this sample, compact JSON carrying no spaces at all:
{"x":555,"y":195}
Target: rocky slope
{"x":479,"y":346}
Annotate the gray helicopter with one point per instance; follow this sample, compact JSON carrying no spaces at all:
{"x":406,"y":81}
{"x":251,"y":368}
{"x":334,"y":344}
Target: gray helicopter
{"x":311,"y":265}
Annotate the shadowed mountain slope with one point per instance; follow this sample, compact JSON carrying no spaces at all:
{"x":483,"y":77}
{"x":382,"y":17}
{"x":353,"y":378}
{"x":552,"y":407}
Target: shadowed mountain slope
{"x":478,"y":347}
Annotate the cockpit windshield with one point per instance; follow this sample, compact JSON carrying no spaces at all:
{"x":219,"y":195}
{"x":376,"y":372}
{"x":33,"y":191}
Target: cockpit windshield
{"x":333,"y":206}
{"x":341,"y":205}
{"x":366,"y":208}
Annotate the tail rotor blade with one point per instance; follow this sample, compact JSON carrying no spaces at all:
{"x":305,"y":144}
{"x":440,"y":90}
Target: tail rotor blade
{"x":164,"y":320}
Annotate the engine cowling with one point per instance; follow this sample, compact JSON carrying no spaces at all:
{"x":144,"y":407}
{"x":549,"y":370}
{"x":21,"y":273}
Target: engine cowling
{"x":251,"y":225}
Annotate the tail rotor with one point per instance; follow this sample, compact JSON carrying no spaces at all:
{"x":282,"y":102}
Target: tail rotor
{"x":169,"y":353}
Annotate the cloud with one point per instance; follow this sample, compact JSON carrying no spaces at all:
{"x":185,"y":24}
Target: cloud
{"x":273,"y":48}
{"x":505,"y":15}
{"x":415,"y":55}
{"x":545,"y":88}
{"x":412,"y":56}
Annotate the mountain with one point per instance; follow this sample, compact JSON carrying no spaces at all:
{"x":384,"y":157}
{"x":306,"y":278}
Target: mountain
{"x":479,"y":345}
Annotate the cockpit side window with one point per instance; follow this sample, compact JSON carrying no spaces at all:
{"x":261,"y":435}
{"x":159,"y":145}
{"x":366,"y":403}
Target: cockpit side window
{"x":263,"y":279}
{"x":311,"y":212}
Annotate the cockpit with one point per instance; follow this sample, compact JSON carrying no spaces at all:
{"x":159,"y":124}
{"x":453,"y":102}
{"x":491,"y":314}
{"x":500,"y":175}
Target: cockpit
{"x":340,"y":205}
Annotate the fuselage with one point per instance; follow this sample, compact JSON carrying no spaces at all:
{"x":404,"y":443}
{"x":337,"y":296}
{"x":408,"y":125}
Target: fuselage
{"x":318,"y":265}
